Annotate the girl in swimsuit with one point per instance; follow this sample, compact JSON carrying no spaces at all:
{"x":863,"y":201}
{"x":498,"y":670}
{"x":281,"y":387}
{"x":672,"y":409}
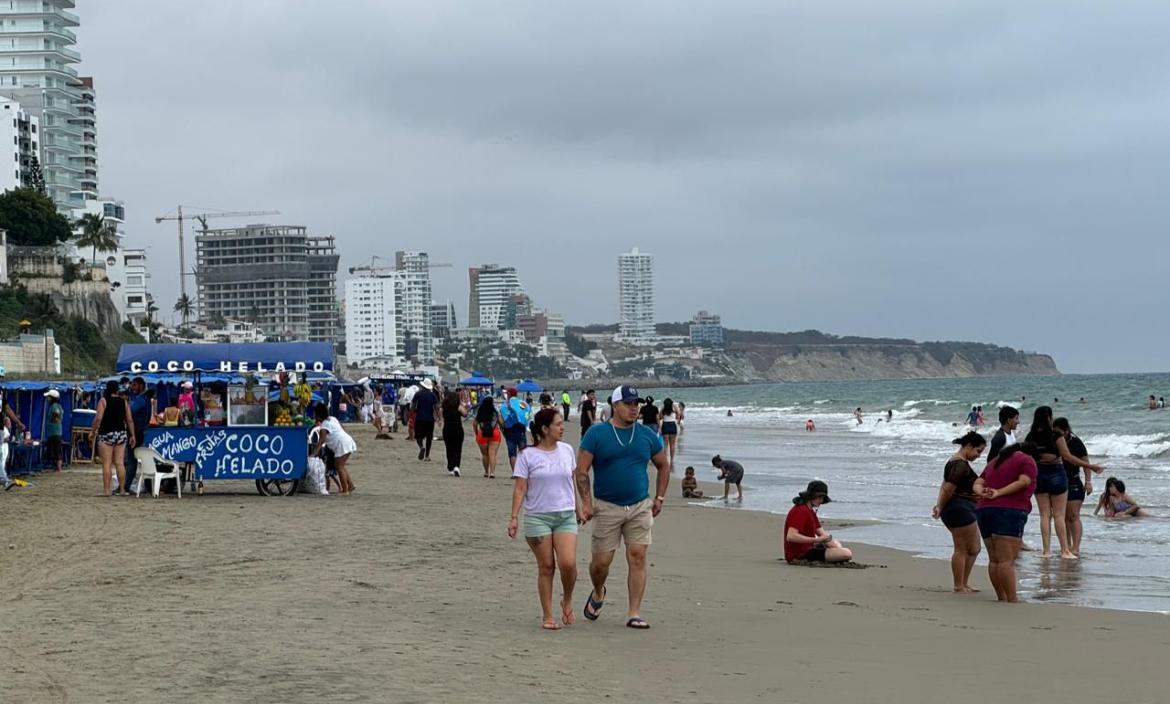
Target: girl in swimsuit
{"x":1117,"y":503}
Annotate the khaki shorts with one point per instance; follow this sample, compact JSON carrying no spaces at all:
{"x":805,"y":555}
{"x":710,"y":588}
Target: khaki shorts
{"x":613,"y":523}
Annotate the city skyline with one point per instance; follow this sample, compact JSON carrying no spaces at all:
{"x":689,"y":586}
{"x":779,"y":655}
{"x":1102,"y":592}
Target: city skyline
{"x":830,"y":166}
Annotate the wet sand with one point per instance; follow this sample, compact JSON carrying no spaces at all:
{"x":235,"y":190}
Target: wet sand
{"x":410,"y":591}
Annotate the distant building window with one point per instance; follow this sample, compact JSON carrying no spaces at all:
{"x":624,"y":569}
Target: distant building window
{"x":135,"y":280}
{"x":134,"y":299}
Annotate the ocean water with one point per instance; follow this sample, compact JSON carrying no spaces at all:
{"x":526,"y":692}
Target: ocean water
{"x":889,"y":472}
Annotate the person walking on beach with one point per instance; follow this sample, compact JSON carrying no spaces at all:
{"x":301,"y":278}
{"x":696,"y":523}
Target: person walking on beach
{"x":113,"y":429}
{"x":588,"y":411}
{"x":515,"y":415}
{"x":730,"y":472}
{"x":623,"y":511}
{"x":650,"y":414}
{"x":543,"y":485}
{"x":424,"y":404}
{"x":340,"y":443}
{"x":1005,"y":499}
{"x":956,"y":508}
{"x":804,"y":539}
{"x":487,"y":435}
{"x":1009,"y":420}
{"x":452,"y":420}
{"x":1051,"y":480}
{"x":1078,"y":489}
{"x":668,"y":429}
{"x":566,"y":404}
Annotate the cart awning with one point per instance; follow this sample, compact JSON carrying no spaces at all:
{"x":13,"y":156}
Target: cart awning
{"x":226,"y":357}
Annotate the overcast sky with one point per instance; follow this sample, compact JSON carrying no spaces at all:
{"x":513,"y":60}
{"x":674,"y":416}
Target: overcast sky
{"x":990,"y":171}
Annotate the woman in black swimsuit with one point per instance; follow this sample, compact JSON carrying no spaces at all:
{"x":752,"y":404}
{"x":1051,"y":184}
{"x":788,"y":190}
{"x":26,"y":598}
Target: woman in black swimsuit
{"x":113,"y":431}
{"x":1052,"y":481}
{"x":1077,"y":489}
{"x":956,"y":508}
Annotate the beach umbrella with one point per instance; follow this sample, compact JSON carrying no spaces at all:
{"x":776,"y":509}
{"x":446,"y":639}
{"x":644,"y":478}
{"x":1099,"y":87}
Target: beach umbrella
{"x":476,"y":380}
{"x":529,"y":386}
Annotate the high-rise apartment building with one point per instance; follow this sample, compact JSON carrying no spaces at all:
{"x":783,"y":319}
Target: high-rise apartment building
{"x":268,"y":275}
{"x":36,"y":57}
{"x":492,"y":287}
{"x":85,"y":160}
{"x":636,"y":295}
{"x":20,"y":137}
{"x":414,"y":304}
{"x":371,"y":327}
{"x":442,"y":320}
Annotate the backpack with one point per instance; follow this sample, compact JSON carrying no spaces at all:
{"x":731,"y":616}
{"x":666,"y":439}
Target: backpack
{"x":513,"y":418}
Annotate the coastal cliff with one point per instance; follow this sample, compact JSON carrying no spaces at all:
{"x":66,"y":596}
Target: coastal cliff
{"x":762,"y":362}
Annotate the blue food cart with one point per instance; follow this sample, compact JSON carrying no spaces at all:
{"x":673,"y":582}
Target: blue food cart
{"x":230,"y":437}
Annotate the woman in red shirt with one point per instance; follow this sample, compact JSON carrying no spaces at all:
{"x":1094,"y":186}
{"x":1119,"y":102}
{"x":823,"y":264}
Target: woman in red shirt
{"x":1005,"y":489}
{"x":804,"y":539}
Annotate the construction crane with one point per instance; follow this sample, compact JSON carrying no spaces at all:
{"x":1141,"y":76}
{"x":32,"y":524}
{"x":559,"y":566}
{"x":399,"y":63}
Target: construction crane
{"x":202,"y":217}
{"x":374,"y":269}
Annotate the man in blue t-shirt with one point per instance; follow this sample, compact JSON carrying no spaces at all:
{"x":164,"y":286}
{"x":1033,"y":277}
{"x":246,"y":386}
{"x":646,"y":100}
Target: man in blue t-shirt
{"x":140,"y":411}
{"x":619,"y":502}
{"x":516,"y":415}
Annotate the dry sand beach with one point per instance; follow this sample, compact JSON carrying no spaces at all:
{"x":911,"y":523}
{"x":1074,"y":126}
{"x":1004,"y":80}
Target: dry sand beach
{"x":410,"y":591}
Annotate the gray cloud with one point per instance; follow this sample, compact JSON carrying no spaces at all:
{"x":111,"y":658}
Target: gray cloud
{"x":927,"y":169}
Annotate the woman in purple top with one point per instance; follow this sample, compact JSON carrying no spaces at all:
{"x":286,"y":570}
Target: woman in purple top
{"x":1005,"y":489}
{"x":543,"y":484}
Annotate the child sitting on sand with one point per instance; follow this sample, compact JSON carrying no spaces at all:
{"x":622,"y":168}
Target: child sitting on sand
{"x":690,"y":485}
{"x":1117,"y":503}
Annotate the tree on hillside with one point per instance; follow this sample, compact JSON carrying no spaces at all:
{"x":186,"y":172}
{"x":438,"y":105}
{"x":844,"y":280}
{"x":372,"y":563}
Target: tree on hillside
{"x":185,"y":307}
{"x":32,"y":219}
{"x":96,"y":232}
{"x":41,"y":311}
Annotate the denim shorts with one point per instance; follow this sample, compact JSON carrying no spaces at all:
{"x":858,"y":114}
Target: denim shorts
{"x":538,"y":525}
{"x":1076,"y":489}
{"x":1002,"y":521}
{"x":958,"y":512}
{"x":517,"y":439}
{"x":1051,"y":479}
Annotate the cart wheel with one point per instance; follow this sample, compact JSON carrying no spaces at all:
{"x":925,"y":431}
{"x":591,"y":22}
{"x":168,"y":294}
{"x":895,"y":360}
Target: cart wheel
{"x":277,"y":487}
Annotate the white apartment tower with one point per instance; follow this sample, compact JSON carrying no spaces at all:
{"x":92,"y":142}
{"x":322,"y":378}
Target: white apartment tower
{"x":36,"y":57}
{"x":20,"y":137}
{"x":636,"y":295}
{"x":492,"y":286}
{"x":371,"y":327}
{"x":413,"y":303}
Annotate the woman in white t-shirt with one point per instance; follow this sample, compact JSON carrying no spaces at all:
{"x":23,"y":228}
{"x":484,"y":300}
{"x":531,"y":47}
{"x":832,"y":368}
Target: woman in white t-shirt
{"x":543,"y":479}
{"x":339,"y":442}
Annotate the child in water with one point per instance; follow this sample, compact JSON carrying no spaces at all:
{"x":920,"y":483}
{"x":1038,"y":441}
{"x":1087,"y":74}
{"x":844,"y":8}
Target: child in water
{"x":1117,"y":503}
{"x":690,"y":485}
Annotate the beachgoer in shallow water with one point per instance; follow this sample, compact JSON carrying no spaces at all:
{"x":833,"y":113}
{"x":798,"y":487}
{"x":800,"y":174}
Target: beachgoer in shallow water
{"x":1009,"y":420}
{"x":890,"y":415}
{"x":1052,"y":481}
{"x":1078,"y":489}
{"x":979,"y":415}
{"x":1152,"y":404}
{"x":956,"y":508}
{"x":1117,"y":503}
{"x":857,"y":414}
{"x":650,"y":414}
{"x":690,"y":485}
{"x":804,"y":539}
{"x":973,"y":417}
{"x":543,"y":485}
{"x":1005,"y":489}
{"x":668,"y":429}
{"x":730,"y":472}
{"x":728,"y":412}
{"x":1161,"y":402}
{"x":809,"y":425}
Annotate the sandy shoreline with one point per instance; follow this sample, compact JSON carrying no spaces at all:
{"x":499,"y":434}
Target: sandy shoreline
{"x":410,"y":591}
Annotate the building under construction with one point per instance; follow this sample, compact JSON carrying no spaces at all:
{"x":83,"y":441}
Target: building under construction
{"x":276,"y":276}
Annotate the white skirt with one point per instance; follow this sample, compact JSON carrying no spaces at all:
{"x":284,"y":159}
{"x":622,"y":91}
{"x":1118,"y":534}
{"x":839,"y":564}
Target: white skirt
{"x":341,"y":445}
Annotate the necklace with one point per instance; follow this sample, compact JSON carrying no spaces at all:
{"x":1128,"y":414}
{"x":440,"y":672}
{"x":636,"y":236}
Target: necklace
{"x":633,"y":430}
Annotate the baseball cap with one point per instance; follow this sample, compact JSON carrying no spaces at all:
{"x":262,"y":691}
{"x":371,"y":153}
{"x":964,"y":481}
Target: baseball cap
{"x":625,"y":394}
{"x":52,"y":393}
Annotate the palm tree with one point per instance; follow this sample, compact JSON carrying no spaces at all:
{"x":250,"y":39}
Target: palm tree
{"x":151,"y":309}
{"x":96,"y":232}
{"x":184,"y":307}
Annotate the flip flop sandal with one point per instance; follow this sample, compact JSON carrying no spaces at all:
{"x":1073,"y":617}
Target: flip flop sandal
{"x":594,"y":604}
{"x":638,"y":623}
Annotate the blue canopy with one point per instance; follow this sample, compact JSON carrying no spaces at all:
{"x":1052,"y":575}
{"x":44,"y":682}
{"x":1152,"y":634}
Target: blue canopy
{"x":529,"y":386}
{"x":226,"y":357}
{"x":477,"y":380}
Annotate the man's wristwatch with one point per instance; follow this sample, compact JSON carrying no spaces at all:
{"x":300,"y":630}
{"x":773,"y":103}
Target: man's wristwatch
{"x":660,"y":498}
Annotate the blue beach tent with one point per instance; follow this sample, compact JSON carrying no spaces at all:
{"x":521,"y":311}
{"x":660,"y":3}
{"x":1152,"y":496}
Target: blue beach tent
{"x":529,"y":386}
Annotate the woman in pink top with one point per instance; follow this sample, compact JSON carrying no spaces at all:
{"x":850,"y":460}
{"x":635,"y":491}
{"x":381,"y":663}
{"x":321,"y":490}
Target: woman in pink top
{"x":543,"y":478}
{"x":1005,"y":489}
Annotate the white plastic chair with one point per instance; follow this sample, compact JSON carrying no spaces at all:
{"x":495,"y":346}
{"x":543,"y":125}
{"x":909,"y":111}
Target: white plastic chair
{"x":149,"y":462}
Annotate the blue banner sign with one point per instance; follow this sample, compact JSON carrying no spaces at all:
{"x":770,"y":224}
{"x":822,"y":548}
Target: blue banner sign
{"x":235,"y":453}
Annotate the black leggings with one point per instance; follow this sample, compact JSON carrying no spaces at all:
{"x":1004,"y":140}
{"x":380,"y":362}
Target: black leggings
{"x":424,"y":430}
{"x":453,"y":440}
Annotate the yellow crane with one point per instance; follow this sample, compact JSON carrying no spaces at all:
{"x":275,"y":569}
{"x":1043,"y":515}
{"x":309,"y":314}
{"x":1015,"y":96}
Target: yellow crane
{"x":203,"y":215}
